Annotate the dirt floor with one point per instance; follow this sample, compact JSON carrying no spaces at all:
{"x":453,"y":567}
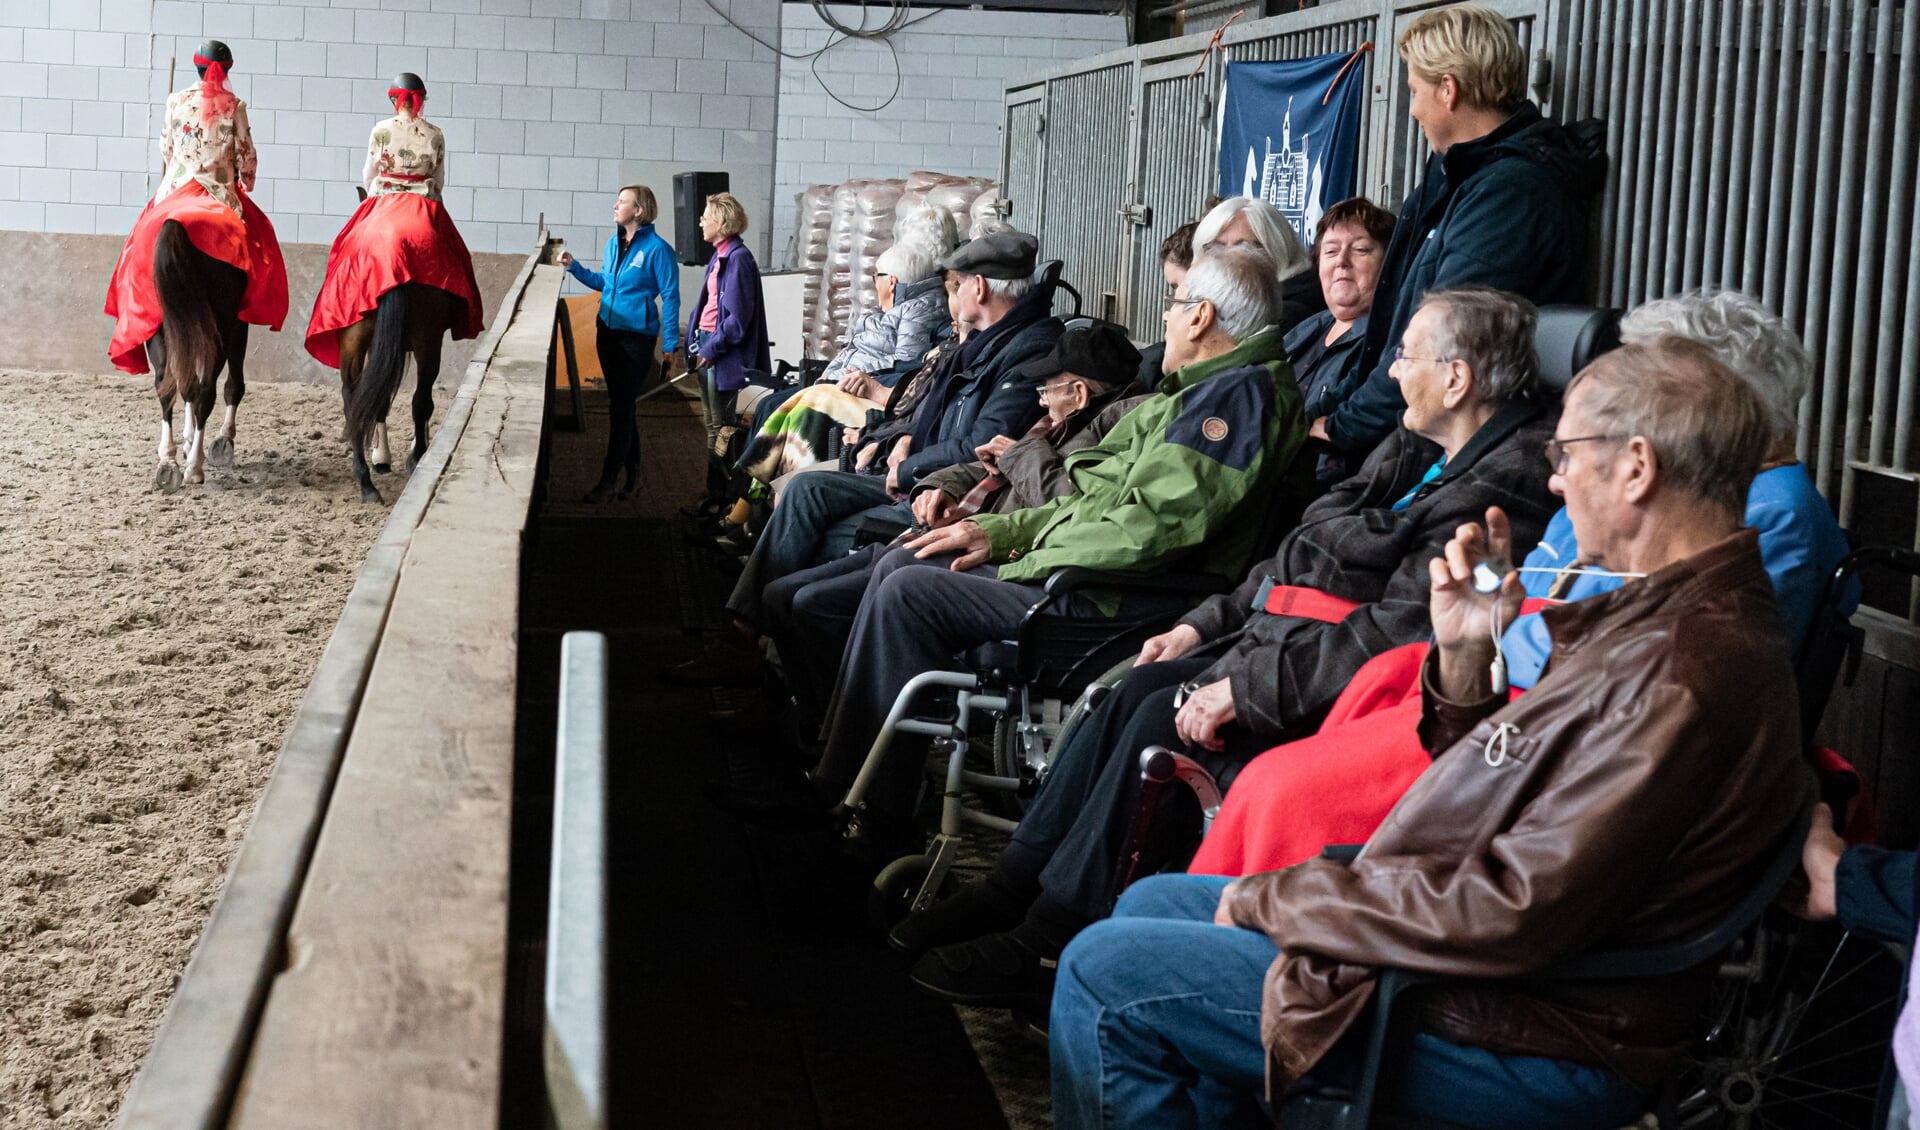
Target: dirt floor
{"x":152,"y":650}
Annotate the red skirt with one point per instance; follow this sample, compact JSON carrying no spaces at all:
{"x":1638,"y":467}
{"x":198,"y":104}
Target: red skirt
{"x":399,"y":237}
{"x":245,"y":241}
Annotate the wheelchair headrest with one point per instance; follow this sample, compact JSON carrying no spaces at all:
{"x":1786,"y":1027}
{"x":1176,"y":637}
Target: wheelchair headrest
{"x":1569,"y":338}
{"x":1048,"y":273}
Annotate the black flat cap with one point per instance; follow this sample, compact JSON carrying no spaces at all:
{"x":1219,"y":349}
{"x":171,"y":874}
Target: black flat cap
{"x":1099,"y":352}
{"x":1001,"y":255}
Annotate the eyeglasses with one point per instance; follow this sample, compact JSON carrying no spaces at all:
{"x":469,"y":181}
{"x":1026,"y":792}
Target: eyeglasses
{"x":1172,"y":300}
{"x":1400,"y":354}
{"x":1057,"y":388}
{"x":1557,"y":450}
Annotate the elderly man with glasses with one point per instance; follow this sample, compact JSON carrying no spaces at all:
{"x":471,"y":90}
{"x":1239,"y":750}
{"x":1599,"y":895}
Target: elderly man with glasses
{"x":1632,"y":796}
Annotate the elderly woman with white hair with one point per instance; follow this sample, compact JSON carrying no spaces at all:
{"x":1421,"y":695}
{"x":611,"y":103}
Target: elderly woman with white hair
{"x":891,"y":337}
{"x":1336,"y":786}
{"x":1240,"y":220}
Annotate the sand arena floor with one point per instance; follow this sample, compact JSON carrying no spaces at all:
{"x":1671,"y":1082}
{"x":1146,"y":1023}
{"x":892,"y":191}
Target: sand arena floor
{"x":152,"y":650}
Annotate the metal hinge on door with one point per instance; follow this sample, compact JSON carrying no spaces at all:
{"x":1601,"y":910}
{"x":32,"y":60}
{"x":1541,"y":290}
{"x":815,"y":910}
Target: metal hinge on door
{"x":1140,"y":215}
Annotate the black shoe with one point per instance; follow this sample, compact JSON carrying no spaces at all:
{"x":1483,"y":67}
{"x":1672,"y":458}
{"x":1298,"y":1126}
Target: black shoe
{"x":733,"y":539}
{"x":977,"y":909}
{"x":997,"y":971}
{"x":704,"y":508}
{"x":631,"y":487}
{"x":600,"y":493}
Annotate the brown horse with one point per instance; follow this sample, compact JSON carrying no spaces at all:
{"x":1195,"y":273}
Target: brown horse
{"x":411,"y":318}
{"x":200,"y":331}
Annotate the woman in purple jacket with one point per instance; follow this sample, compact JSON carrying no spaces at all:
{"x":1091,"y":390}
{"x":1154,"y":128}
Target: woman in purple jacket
{"x":727,"y":334}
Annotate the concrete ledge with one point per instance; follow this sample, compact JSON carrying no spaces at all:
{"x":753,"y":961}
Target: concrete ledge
{"x":56,"y":285}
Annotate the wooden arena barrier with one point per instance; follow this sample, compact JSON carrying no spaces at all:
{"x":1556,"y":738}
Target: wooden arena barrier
{"x":353,"y":972}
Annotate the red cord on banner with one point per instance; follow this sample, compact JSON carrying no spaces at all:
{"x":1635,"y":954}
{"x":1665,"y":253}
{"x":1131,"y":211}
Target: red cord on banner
{"x":1214,"y":43}
{"x":1344,"y":67}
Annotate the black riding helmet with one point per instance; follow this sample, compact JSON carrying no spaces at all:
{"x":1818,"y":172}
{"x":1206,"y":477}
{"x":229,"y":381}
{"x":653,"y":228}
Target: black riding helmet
{"x":407,"y":81}
{"x":211,"y":52}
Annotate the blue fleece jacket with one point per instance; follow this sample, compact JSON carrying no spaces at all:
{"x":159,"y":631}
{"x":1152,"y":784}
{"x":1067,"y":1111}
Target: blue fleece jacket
{"x":628,"y":287}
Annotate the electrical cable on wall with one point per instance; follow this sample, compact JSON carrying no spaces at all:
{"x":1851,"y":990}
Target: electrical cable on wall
{"x":897,"y":21}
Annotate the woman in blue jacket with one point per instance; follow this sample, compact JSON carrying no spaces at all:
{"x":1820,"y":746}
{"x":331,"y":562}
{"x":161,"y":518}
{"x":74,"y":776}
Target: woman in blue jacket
{"x":638,"y":267}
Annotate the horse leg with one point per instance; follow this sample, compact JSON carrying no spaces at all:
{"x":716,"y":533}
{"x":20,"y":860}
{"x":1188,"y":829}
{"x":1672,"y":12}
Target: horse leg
{"x":234,"y":333}
{"x":166,"y":472}
{"x":354,"y":341}
{"x":427,"y":360}
{"x":197,"y":411}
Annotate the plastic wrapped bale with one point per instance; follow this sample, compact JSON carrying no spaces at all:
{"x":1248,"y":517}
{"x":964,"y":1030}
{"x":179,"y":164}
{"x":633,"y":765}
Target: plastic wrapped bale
{"x":872,"y":234}
{"x":984,"y":207}
{"x":953,"y":198}
{"x":837,"y":278}
{"x":814,"y":230}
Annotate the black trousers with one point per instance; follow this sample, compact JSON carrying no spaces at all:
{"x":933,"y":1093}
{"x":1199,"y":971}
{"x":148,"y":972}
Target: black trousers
{"x":1071,"y":838}
{"x":626,"y":358}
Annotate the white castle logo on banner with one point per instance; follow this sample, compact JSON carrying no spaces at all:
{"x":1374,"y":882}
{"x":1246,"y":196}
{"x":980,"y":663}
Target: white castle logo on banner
{"x":1289,"y":179}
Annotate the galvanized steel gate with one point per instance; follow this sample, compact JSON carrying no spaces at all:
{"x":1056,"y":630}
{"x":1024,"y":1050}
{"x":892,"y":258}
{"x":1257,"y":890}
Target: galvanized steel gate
{"x":1768,"y":145}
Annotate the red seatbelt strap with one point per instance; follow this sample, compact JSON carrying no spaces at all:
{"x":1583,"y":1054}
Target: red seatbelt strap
{"x":1297,"y":600}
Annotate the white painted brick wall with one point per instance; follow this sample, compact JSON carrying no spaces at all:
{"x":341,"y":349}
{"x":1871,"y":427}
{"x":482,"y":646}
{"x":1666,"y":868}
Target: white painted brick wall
{"x":946,"y":114}
{"x":548,"y":105}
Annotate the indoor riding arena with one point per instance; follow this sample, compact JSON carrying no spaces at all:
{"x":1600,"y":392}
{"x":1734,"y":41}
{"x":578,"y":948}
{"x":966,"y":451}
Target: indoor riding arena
{"x":542,"y":768}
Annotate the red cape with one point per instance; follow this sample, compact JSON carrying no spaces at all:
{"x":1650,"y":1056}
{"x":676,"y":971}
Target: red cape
{"x":245,"y":241}
{"x":396,"y":238}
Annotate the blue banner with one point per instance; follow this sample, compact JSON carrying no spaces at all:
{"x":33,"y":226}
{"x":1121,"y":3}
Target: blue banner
{"x":1290,"y":135}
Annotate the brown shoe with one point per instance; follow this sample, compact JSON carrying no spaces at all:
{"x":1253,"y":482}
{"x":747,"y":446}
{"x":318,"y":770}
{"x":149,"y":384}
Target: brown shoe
{"x":725,"y":661}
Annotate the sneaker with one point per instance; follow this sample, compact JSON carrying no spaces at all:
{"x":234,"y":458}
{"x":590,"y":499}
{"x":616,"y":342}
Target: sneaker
{"x":977,"y":909}
{"x":725,"y":661}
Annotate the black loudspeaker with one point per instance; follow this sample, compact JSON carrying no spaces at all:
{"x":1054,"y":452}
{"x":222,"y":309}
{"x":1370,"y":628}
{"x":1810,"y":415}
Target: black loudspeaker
{"x":690,"y":192}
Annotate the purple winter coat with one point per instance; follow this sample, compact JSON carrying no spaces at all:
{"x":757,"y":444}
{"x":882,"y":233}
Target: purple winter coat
{"x":739,"y":338}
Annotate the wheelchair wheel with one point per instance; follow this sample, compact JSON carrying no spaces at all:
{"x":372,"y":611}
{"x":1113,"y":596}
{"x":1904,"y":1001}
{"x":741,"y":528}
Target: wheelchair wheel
{"x":897,"y":885}
{"x":1802,"y":1042}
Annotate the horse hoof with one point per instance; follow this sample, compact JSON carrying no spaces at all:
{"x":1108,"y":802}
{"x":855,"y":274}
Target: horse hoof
{"x":371,"y":496}
{"x":383,"y":468}
{"x":220,"y":452}
{"x":413,"y":460}
{"x":167,"y":478}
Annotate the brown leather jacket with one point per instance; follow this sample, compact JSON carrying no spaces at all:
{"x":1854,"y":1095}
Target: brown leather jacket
{"x":1641,"y":787}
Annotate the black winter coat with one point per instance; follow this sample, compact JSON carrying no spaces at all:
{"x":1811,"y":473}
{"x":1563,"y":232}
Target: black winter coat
{"x":1286,"y":671}
{"x":1508,"y":210}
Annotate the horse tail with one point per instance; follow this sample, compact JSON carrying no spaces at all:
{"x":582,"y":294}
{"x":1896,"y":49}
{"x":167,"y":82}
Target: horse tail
{"x":385,"y":362}
{"x":187,"y":323}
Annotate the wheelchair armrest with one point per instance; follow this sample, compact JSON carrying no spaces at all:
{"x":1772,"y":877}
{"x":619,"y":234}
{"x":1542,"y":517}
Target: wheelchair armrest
{"x":1073,"y":578}
{"x":1341,"y":853}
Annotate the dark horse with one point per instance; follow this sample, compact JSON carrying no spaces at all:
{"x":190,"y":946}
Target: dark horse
{"x":200,"y":330}
{"x":411,"y":318}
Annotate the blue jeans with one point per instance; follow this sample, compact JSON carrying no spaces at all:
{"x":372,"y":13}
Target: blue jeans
{"x":1156,"y":1022}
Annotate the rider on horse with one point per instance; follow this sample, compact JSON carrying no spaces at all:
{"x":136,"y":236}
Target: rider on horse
{"x":401,"y":232}
{"x":209,"y":161}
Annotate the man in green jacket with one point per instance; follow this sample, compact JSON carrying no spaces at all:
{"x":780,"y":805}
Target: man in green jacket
{"x":1186,"y":479}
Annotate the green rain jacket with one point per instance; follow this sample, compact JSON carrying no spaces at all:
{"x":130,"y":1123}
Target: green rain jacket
{"x":1185,"y":477}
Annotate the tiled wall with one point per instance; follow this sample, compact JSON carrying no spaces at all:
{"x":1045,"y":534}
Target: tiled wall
{"x":548,"y":105}
{"x":945,"y":115}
